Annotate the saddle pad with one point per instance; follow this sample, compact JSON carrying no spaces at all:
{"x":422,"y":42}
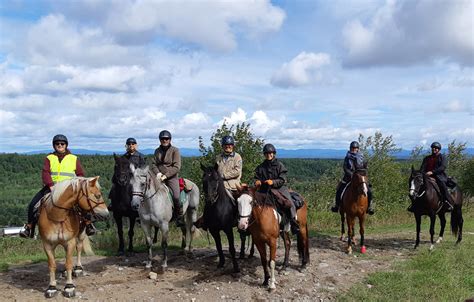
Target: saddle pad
{"x":297,"y":199}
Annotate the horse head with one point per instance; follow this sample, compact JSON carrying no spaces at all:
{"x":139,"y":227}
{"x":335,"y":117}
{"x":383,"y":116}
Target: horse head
{"x":244,"y":204}
{"x":92,"y":201}
{"x":210,"y":182}
{"x":122,"y":172}
{"x":416,"y":182}
{"x":140,"y":182}
{"x":360,"y":181}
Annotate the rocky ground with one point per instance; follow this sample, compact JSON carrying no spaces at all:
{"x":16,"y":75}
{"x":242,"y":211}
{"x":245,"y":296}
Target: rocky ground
{"x":197,"y":278}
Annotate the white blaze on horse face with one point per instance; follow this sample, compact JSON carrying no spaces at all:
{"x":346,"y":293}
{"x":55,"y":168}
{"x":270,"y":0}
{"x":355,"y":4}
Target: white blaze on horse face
{"x":412,"y":188}
{"x":365,"y":189}
{"x":244,"y":204}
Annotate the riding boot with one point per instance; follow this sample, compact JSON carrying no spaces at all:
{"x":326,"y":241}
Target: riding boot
{"x":370,"y":210}
{"x":178,"y":213}
{"x":90,"y":228}
{"x":294,"y":226}
{"x":448,"y":200}
{"x":26,"y":231}
{"x":340,"y":188}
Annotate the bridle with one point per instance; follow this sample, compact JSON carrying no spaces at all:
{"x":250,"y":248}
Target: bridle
{"x":422,"y":184}
{"x":142,"y":194}
{"x":90,"y":202}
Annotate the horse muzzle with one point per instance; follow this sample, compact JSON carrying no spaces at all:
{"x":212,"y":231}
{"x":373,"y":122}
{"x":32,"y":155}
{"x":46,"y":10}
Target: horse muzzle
{"x":243,"y":223}
{"x":101,"y":213}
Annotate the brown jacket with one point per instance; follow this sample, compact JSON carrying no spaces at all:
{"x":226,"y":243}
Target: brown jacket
{"x":169,"y":165}
{"x":230,"y":169}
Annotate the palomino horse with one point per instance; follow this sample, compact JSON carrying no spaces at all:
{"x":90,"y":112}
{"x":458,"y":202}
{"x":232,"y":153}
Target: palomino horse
{"x":152,"y":199}
{"x":263,"y":222}
{"x":426,"y":201}
{"x":60,"y":223}
{"x":121,"y":197}
{"x":220,"y":212}
{"x":354,"y":204}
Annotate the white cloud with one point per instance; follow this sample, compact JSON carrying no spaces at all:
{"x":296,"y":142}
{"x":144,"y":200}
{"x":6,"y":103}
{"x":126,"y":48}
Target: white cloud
{"x":301,"y":70}
{"x":196,"y":119}
{"x":234,"y":118}
{"x":458,"y":106}
{"x":261,"y":123}
{"x":410,"y":32}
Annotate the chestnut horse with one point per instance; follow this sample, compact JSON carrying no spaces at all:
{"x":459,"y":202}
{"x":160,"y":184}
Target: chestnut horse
{"x":263,"y":222}
{"x":354,"y":204}
{"x":60,"y":223}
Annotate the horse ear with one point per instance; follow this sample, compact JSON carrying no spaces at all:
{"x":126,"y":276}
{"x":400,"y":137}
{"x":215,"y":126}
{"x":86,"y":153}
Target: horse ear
{"x":93,"y":181}
{"x":216,"y":166}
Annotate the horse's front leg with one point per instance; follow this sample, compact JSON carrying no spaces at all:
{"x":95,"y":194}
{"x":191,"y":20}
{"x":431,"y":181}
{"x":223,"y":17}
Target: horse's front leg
{"x":131,"y":233}
{"x":432,"y":232}
{"x":70,"y":288}
{"x":361,"y":232}
{"x":119,"y":223}
{"x":230,"y":238}
{"x":164,"y":244}
{"x":52,"y":289}
{"x":287,"y":243}
{"x":418,"y":227}
{"x":262,"y":249}
{"x":343,"y":231}
{"x":243,"y":237}
{"x":273,"y":248}
{"x":78,"y":269}
{"x":149,"y":242}
{"x":217,"y":239}
{"x":442,"y":220}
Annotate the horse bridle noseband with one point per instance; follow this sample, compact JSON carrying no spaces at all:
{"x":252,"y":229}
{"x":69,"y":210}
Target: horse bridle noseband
{"x":76,"y":208}
{"x":416,"y":195}
{"x":143,"y":194}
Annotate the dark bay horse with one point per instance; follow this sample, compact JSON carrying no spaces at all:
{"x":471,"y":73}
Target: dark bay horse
{"x":121,"y":198}
{"x":354,"y":204}
{"x":426,"y":201}
{"x":221,"y":212}
{"x":60,"y":223}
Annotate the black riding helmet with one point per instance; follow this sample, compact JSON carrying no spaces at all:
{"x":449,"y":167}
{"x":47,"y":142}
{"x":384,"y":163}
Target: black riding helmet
{"x":269,"y":148}
{"x":164,"y":134}
{"x":436,"y":145}
{"x":60,"y":138}
{"x":227,"y":140}
{"x":354,"y":144}
{"x":130,"y":141}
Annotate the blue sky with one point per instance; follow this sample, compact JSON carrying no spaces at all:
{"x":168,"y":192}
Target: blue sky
{"x":304,"y":74}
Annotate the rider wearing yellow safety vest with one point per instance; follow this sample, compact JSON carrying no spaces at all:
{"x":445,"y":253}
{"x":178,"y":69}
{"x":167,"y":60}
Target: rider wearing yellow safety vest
{"x":58,"y":166}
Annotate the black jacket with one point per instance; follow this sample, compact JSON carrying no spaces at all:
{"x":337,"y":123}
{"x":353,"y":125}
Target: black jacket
{"x":352,"y":162}
{"x":273,"y":170}
{"x":440,"y":167}
{"x":137,"y":159}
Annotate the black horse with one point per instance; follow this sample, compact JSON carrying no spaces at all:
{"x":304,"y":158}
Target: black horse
{"x":121,"y":197}
{"x":221,"y":212}
{"x":427,"y":201}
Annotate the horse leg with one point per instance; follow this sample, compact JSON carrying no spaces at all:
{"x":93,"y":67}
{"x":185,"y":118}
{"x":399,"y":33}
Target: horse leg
{"x":418,"y":227}
{"x":350,"y":233}
{"x":287,"y":243}
{"x":361,"y":232}
{"x":164,"y":244}
{"x":243,"y":237}
{"x":217,"y":239}
{"x":155,"y":236}
{"x":149,"y":242}
{"x":460,"y":224}
{"x":52,"y":290}
{"x":119,"y":222}
{"x":342,"y":226}
{"x":70,"y":288}
{"x":432,"y":226}
{"x":191,"y":217}
{"x":442,"y":220}
{"x":131,"y":232}
{"x":78,"y":269}
{"x":230,"y":238}
{"x":273,"y":247}
{"x":252,"y":247}
{"x":262,"y":249}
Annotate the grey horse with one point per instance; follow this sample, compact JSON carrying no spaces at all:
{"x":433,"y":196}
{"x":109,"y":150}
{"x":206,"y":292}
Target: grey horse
{"x":152,"y":199}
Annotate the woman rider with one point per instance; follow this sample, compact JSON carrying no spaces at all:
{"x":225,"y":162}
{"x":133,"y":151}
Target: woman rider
{"x":58,"y":166}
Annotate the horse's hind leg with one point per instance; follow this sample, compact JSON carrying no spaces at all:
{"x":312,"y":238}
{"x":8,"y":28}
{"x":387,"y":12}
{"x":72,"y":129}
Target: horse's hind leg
{"x":230,"y":238}
{"x":432,"y":225}
{"x":78,"y":270}
{"x":442,"y":220}
{"x":131,"y":233}
{"x":343,"y":231}
{"x":418,"y":228}
{"x":119,"y":223}
{"x":164,"y":244}
{"x":287,"y":243}
{"x":52,"y":289}
{"x":70,"y":288}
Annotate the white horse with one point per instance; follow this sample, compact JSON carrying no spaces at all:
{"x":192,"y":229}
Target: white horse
{"x":152,"y":199}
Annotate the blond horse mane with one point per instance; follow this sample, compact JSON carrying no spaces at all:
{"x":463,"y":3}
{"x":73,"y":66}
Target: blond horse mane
{"x":77,"y":183}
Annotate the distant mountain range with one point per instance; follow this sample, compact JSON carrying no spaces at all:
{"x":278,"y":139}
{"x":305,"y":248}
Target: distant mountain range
{"x":282,"y":153}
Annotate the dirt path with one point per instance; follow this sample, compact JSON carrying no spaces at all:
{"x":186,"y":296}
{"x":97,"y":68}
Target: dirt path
{"x":118,"y":278}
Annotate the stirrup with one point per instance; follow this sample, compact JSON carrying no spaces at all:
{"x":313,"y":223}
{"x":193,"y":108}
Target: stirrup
{"x":25,"y":232}
{"x":295,"y":228}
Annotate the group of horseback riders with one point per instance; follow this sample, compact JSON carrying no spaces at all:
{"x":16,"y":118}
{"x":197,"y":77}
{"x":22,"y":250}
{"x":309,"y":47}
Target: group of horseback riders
{"x":166,"y":164}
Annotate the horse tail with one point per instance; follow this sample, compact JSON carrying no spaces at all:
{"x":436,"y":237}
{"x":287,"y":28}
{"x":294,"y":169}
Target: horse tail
{"x":456,"y":219}
{"x":87,"y":247}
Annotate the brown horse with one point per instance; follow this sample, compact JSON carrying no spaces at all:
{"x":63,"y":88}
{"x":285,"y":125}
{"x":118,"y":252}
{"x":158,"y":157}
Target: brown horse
{"x":60,"y":223}
{"x":354,"y":204}
{"x":263,"y":222}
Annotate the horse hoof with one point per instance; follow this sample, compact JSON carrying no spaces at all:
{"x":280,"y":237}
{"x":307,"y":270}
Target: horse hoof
{"x":69,"y":291}
{"x":439,"y":240}
{"x":363,"y":249}
{"x":431,"y":247}
{"x":271,"y":289}
{"x":51,"y":292}
{"x":79,"y":272}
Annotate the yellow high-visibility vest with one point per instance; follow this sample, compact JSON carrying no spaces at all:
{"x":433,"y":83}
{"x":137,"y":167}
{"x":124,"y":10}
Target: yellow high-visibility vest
{"x":66,"y":169}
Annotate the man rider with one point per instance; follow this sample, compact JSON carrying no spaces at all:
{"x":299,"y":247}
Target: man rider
{"x":166,"y":164}
{"x":435,"y":165}
{"x":57,"y":166}
{"x":229,"y":166}
{"x":353,"y":161}
{"x":271,"y":174}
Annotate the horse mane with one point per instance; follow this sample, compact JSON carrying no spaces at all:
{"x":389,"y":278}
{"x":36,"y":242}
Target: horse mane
{"x":77,"y":183}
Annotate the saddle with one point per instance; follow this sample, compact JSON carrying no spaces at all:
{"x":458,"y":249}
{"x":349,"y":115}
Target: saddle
{"x":185,"y":185}
{"x":39,"y":205}
{"x":432,"y":180}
